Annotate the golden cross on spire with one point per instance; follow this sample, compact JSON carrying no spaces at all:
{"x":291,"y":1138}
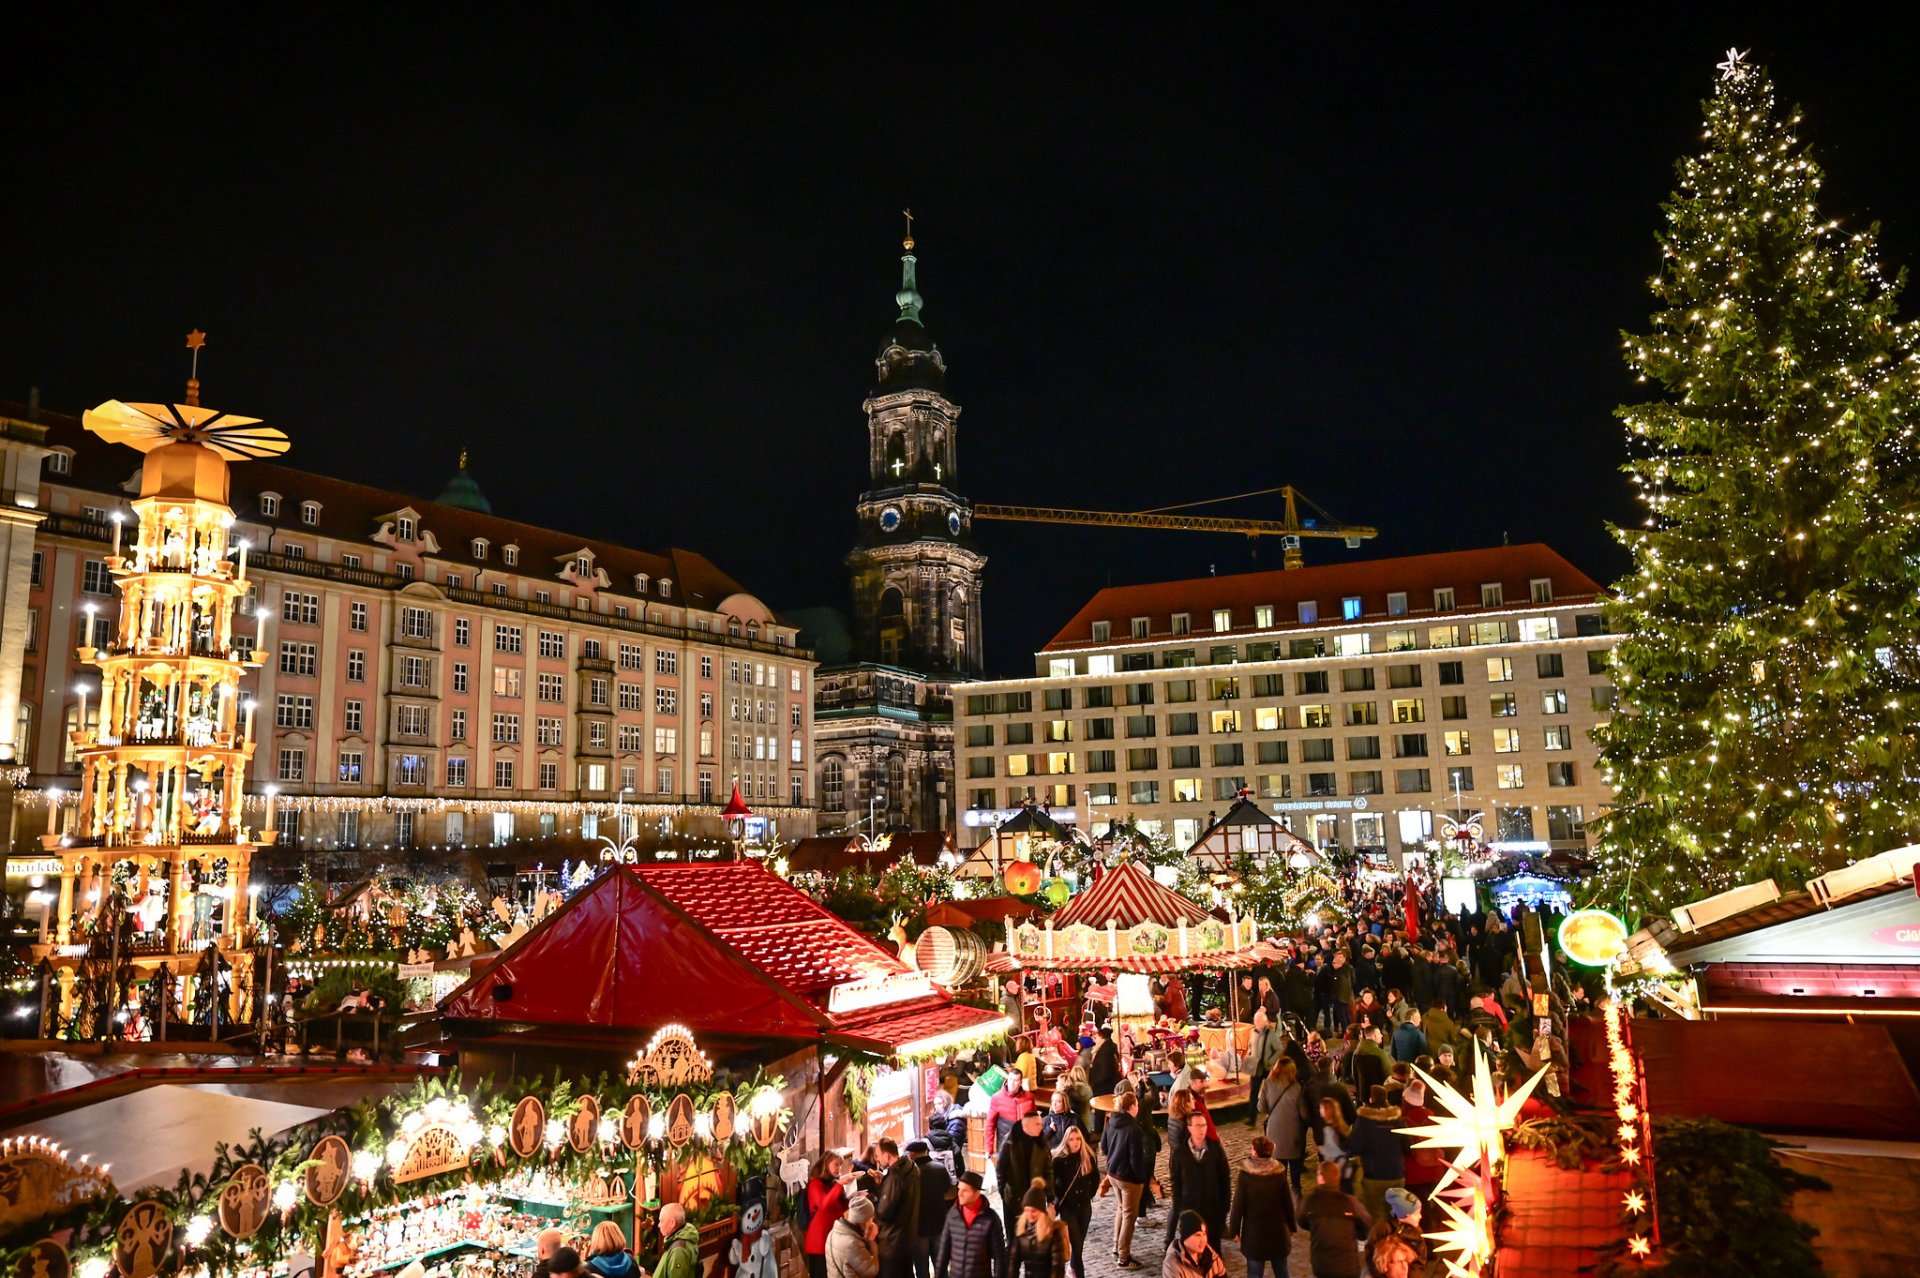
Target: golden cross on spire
{"x":907,"y":243}
{"x":463,"y":459}
{"x":195,"y":340}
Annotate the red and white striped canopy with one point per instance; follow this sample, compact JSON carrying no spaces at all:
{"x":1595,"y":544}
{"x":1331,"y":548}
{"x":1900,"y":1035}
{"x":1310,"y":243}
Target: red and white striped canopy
{"x":1128,"y":896}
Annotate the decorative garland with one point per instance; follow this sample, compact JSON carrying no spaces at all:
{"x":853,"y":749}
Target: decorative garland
{"x":370,"y":1130}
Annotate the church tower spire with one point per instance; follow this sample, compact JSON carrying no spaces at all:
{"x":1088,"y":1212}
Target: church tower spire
{"x":916,"y":575}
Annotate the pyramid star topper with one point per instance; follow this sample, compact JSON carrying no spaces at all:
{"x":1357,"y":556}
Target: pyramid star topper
{"x":1736,"y":63}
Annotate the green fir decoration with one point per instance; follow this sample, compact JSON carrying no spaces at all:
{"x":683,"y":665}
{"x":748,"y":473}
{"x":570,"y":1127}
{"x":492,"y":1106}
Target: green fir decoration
{"x":1768,"y":669}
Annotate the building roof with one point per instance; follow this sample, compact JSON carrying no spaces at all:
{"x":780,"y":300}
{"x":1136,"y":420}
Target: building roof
{"x":1798,"y":904}
{"x":722,"y":948}
{"x":1247,"y":823}
{"x":352,"y":513}
{"x":1465,"y":571}
{"x":832,"y":853}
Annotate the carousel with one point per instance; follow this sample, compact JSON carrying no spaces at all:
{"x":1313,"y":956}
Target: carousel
{"x":1129,"y":925}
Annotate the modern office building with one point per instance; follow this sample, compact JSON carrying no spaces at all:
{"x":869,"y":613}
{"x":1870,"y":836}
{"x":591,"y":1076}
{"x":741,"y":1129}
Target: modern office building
{"x":1354,"y":701}
{"x":434,"y":674}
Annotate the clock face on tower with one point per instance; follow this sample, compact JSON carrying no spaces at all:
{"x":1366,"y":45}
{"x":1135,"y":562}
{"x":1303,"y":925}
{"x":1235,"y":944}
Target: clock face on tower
{"x":890,"y":519}
{"x":953,"y":523}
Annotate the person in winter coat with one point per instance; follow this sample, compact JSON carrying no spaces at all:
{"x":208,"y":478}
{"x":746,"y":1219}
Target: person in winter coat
{"x":1268,"y":1045}
{"x":1283,"y":1102}
{"x":1059,"y":1117}
{"x":1424,"y":1167}
{"x":1382,"y":1151}
{"x":971,"y":1242}
{"x":936,"y":1195}
{"x":1409,"y":1043}
{"x":1129,"y":1169}
{"x":1262,"y":1219}
{"x":1336,"y":1130}
{"x":1340,"y":990}
{"x":1199,"y":1180}
{"x":948,"y":1120}
{"x":1395,"y":1247}
{"x":898,"y":1211}
{"x":680,"y":1244}
{"x":1437,"y":1025}
{"x":607,"y":1253}
{"x":1193,"y":1255}
{"x":1299,"y":992}
{"x":1041,"y":1245}
{"x":826,"y":1199}
{"x":1103,"y":1074}
{"x":1371,"y":1063}
{"x":1447,"y":989}
{"x":1024,"y":1158}
{"x":1079,"y":1096}
{"x":1336,"y":1222}
{"x":1076,"y":1177}
{"x":851,"y":1248}
{"x":1005,"y":1110}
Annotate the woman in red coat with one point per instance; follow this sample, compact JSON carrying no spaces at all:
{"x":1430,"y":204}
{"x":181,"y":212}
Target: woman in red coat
{"x":827,"y":1202}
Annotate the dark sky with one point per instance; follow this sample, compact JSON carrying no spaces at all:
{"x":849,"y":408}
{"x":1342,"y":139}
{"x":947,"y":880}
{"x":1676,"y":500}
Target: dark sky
{"x":641,"y":268}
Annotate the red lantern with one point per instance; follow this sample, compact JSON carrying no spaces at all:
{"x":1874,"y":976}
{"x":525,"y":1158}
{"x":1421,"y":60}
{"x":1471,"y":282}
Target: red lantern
{"x":1022,"y":878}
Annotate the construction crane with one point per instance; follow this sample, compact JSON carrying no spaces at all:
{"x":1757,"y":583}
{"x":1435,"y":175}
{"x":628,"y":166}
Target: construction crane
{"x":1289,"y":529}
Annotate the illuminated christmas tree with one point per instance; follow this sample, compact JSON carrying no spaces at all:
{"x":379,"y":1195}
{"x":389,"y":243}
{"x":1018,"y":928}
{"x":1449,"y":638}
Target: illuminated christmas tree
{"x":1768,"y":669}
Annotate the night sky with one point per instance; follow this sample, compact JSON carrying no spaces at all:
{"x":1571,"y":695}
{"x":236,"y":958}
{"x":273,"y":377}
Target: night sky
{"x":641,"y":269}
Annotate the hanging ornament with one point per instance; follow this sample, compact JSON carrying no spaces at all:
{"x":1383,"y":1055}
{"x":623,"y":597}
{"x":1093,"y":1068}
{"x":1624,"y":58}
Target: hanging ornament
{"x":1021,"y":878}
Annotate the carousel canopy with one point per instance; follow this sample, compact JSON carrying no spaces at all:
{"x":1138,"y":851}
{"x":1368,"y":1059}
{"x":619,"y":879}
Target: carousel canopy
{"x":1247,"y":830}
{"x":725,"y":949}
{"x":1131,"y":923}
{"x":1129,"y":896}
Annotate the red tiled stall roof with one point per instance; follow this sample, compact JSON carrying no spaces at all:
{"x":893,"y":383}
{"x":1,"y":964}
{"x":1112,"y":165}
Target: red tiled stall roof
{"x":1559,"y":1222}
{"x":1514,"y":568}
{"x":724,"y":949}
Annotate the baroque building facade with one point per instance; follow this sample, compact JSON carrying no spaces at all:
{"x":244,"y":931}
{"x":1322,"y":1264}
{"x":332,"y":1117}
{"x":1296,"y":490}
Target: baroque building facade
{"x":883,"y":712}
{"x":430,"y":675}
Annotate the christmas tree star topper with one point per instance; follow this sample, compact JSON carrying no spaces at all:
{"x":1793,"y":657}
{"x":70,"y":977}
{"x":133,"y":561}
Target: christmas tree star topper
{"x":1736,"y":63}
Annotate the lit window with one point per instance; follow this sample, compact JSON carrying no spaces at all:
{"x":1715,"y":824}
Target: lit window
{"x":1397,"y":604}
{"x":1350,"y":608}
{"x":1309,"y":611}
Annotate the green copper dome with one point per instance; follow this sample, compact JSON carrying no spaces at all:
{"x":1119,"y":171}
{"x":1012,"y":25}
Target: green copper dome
{"x":463,"y":491}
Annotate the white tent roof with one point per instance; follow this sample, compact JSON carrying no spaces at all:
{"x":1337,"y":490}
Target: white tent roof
{"x":148,"y":1137}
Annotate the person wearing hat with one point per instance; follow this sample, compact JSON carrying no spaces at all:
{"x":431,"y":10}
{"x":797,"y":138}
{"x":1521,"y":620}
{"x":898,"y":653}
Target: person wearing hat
{"x":1395,"y":1247}
{"x":936,"y":1196}
{"x":1191,"y":1254}
{"x":1041,"y":1245}
{"x":852,"y":1245}
{"x":971,"y":1243}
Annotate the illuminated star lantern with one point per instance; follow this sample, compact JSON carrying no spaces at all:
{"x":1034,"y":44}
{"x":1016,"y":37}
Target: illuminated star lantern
{"x":1467,"y":1232}
{"x":1636,"y":1201}
{"x":1475,"y":1128}
{"x":1736,"y":63}
{"x":1640,"y":1246}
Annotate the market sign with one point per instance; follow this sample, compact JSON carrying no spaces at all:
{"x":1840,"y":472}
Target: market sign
{"x":32,"y":866}
{"x":1904,"y":934}
{"x":436,"y":1149}
{"x":878,"y":991}
{"x":1592,"y":938}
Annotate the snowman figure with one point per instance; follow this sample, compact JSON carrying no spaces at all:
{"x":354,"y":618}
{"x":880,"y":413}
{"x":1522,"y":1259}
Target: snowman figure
{"x":751,"y":1254}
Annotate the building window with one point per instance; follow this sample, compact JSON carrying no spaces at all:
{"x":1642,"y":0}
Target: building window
{"x":1541,"y":589}
{"x":95,"y":579}
{"x":1350,"y":608}
{"x":1564,"y":823}
{"x":1263,"y":616}
{"x":1353,"y":646}
{"x":503,"y":780}
{"x":1510,"y":776}
{"x":456,"y":774}
{"x":457,"y":725}
{"x":353,"y":561}
{"x":510,"y":555}
{"x":348,"y":829}
{"x":1138,"y":627}
{"x":1460,"y":780}
{"x":403,"y":528}
{"x":1499,"y":670}
{"x":597,"y":691}
{"x":1102,"y":631}
{"x":356,"y":664}
{"x":832,"y":783}
{"x":1490,"y":594}
{"x":547,"y":731}
{"x":553,"y":687}
{"x":416,"y":623}
{"x":1506,"y":740}
{"x":553,"y":645}
{"x":1364,"y":783}
{"x":1503,"y":705}
{"x":298,"y":659}
{"x":293,"y":764}
{"x":1308,"y":612}
{"x":1549,"y":665}
{"x":506,"y":638}
{"x":629,"y":736}
{"x":1604,"y":698}
{"x":1397,"y":603}
{"x":293,"y":712}
{"x":1460,"y":742}
{"x":1410,"y":745}
{"x":270,"y":504}
{"x":459,"y":676}
{"x":1559,"y":737}
{"x":549,"y":776}
{"x":462,"y":632}
{"x":1182,"y":623}
{"x":413,"y":721}
{"x":506,"y":729}
{"x":1453,"y":707}
{"x":357,"y":616}
{"x":1443,"y":599}
{"x":413,"y":672}
{"x":1553,"y":701}
{"x":59,"y":462}
{"x":304,"y":609}
{"x":310,"y":513}
{"x":666,"y":662}
{"x":1560,"y":774}
{"x":410,"y":769}
{"x":506,"y":681}
{"x":479,"y":547}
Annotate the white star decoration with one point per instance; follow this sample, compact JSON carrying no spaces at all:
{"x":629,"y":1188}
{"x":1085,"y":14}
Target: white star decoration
{"x":1736,"y":63}
{"x":1474,"y":1129}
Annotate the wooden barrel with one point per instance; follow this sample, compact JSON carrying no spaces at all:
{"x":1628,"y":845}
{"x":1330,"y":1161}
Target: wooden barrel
{"x":950,"y":956}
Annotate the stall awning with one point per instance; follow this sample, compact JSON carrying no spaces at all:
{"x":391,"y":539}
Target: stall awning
{"x":1154,"y":964}
{"x":725,"y":949}
{"x":916,"y":1031}
{"x":1128,"y":895}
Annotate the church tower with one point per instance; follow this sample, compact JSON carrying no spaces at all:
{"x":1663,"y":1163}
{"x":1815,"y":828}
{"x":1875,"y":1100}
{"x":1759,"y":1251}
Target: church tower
{"x":915,"y":571}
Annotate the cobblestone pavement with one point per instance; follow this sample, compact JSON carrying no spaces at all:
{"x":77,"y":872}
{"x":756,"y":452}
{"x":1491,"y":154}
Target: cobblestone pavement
{"x":1149,"y":1235}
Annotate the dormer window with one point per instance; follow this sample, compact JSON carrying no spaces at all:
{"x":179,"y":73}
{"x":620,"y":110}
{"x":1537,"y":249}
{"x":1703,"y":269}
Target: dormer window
{"x":666,"y":587}
{"x":510,"y":555}
{"x":403,"y":528}
{"x":1490,"y":594}
{"x":583,"y":567}
{"x":60,"y":462}
{"x":310,"y":513}
{"x":640,"y":582}
{"x":479,"y":547}
{"x":270,"y":504}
